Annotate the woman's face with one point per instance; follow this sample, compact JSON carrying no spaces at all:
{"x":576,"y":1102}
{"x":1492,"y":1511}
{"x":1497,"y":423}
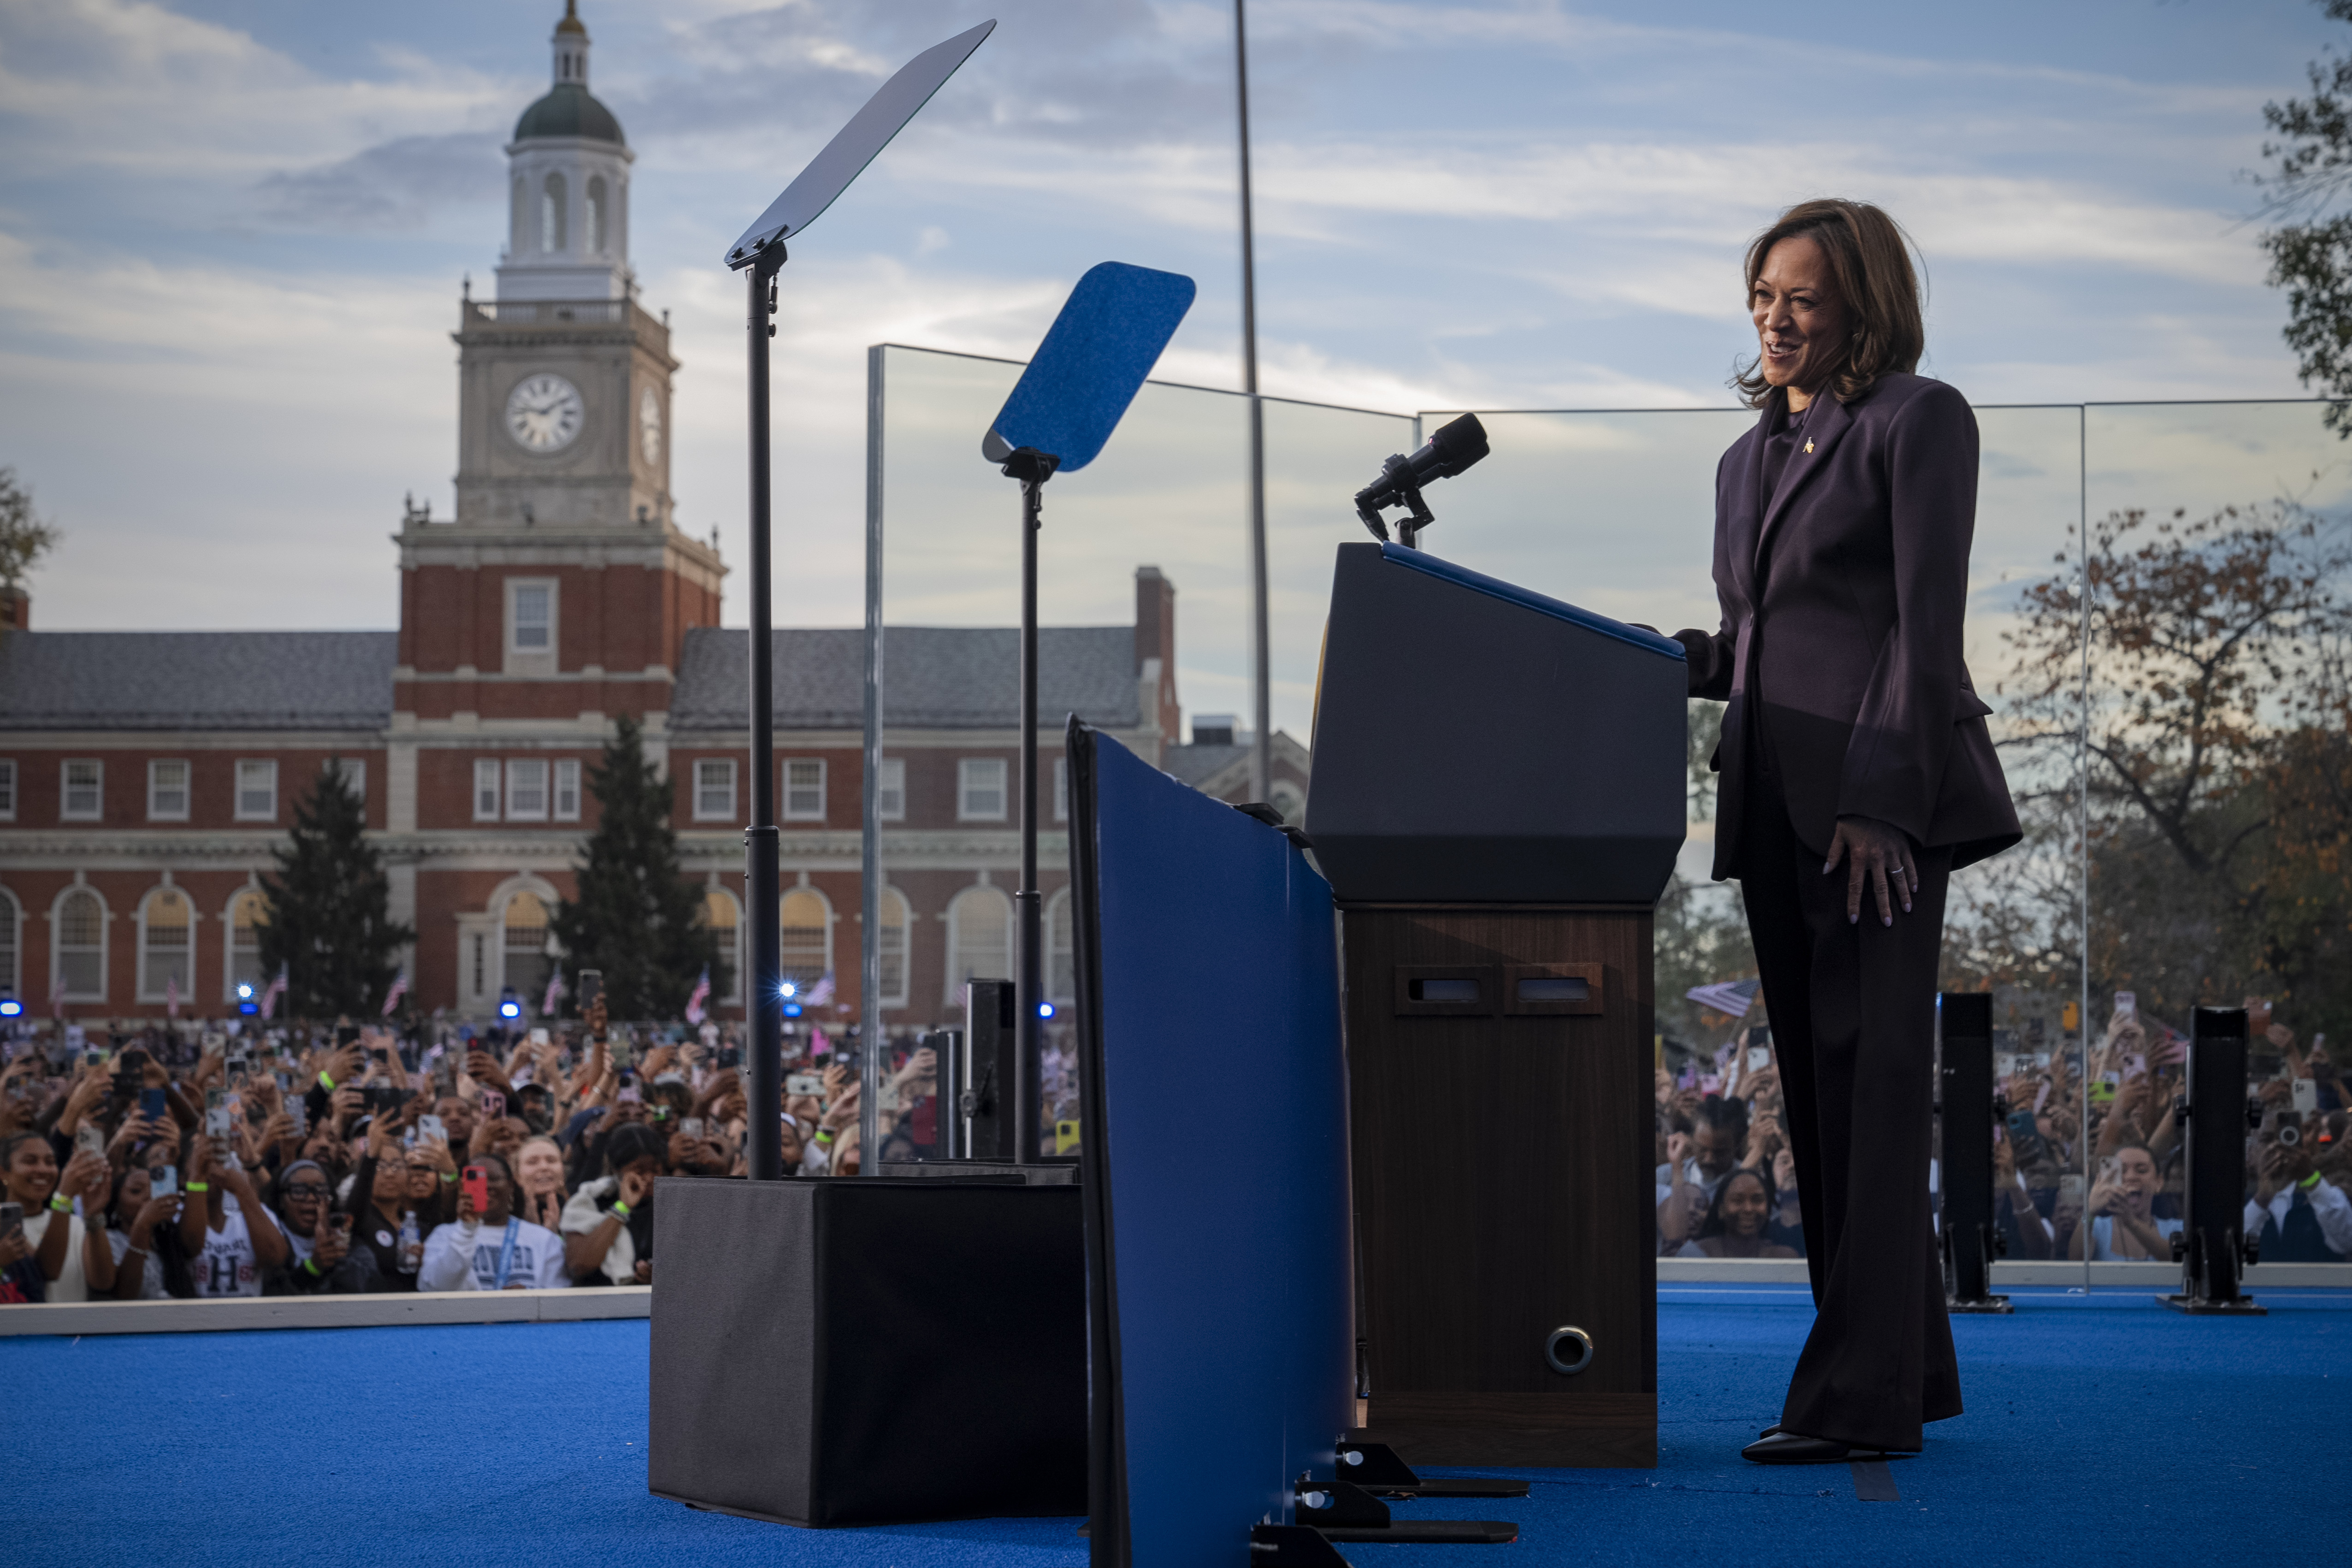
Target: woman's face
{"x":1802,"y":325}
{"x":423,"y":1177}
{"x":540,"y":1169}
{"x":391,"y":1181}
{"x":306,"y":1200}
{"x":32,"y":1174}
{"x":137,"y":1188}
{"x":2135,"y":1174}
{"x":1743,"y":1204}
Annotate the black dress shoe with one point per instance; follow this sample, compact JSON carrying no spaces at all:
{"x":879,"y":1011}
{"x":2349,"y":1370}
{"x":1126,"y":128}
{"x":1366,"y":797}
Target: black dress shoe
{"x":1796,"y":1449}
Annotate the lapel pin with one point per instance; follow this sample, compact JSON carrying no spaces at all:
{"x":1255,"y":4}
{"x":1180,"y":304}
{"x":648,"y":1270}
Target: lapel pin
{"x":1809,"y":448}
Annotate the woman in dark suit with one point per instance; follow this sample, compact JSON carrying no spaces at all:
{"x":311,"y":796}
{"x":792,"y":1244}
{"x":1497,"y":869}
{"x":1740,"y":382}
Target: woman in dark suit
{"x":1857,"y":775}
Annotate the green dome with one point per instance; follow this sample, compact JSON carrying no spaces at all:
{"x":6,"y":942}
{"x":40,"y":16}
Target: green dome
{"x":569,"y":110}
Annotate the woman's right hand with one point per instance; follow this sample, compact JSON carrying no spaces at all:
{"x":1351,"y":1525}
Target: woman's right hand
{"x":635,"y":1185}
{"x":154,"y":1211}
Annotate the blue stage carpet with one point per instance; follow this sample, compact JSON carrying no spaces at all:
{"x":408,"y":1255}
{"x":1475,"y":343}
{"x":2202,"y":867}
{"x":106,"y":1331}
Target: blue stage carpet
{"x":2100,"y":1430}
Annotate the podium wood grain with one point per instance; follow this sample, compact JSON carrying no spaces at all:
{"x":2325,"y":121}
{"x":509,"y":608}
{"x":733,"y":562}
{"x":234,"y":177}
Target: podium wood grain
{"x":1504,"y":1185}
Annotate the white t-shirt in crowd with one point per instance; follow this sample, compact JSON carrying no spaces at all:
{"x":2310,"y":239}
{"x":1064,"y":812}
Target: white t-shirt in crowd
{"x":466,"y":1257}
{"x":226,"y":1266}
{"x":151,"y":1287}
{"x":72,"y":1284}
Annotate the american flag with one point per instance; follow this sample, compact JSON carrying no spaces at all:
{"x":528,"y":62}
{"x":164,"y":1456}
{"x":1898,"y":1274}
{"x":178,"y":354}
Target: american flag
{"x":701,"y":994}
{"x":819,"y":994}
{"x":818,"y":1044}
{"x":58,"y":994}
{"x":554,"y":994}
{"x":172,"y":996}
{"x":277,"y":988}
{"x":399,"y":989}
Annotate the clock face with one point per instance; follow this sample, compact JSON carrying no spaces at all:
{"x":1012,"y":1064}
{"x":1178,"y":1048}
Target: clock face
{"x":649,"y":426}
{"x":544,"y":413}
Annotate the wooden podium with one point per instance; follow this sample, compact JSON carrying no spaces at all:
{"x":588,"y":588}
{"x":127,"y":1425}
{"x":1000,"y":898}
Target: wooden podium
{"x":1478,"y":748}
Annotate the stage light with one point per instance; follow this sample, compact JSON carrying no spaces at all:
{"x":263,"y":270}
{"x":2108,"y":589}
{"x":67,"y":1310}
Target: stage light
{"x":1045,"y":1009}
{"x":788,"y":990}
{"x":9,"y":1006}
{"x":792,"y":1009}
{"x":508,"y":1007}
{"x":244,"y":990}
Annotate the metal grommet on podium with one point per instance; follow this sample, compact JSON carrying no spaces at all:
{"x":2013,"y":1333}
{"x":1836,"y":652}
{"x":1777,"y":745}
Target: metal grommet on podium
{"x":1583,"y":1342}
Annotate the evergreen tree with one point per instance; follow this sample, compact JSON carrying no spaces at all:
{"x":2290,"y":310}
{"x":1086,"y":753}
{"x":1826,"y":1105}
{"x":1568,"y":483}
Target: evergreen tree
{"x":637,"y":917}
{"x":330,"y":919}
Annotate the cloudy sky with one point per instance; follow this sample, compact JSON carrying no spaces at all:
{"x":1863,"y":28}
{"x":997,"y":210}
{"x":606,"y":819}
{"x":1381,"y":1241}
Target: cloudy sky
{"x":233,"y":232}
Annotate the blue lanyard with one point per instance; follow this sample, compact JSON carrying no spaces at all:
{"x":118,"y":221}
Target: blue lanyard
{"x":506,"y":1253}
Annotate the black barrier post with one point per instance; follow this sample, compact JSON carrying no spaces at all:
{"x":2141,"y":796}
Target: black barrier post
{"x":949,"y":1141}
{"x":2215,"y":1114}
{"x":764,"y":1068}
{"x":1964,"y":1103}
{"x":1033,"y":468}
{"x":995,"y":1068}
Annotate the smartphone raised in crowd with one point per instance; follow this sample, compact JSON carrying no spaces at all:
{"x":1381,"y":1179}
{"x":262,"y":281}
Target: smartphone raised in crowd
{"x":12,"y":1218}
{"x":430,"y":1126}
{"x":89,"y":1138}
{"x":803,"y":1083}
{"x":164,"y":1183}
{"x":153,"y":1102}
{"x":591,"y":987}
{"x":477,"y":1188}
{"x":219,"y":1120}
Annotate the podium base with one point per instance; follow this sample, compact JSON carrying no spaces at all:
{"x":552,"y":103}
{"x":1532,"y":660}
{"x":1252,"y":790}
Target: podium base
{"x":2198,"y":1306}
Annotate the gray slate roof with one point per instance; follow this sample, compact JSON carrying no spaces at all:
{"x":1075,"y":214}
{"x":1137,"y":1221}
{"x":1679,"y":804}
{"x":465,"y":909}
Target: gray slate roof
{"x":197,"y":680}
{"x":933,"y":678}
{"x":1196,"y":763}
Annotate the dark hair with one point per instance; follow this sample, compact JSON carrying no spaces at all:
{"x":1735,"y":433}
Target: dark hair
{"x":632,"y":1142}
{"x":1725,"y":1115}
{"x":1713,"y":1224}
{"x":17,"y":1141}
{"x":487,"y":1158}
{"x":1870,"y":257}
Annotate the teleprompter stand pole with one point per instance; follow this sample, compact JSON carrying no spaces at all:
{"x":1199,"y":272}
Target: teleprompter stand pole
{"x":1033,"y":468}
{"x":765,"y":1095}
{"x":1965,"y":1101}
{"x":2212,"y":1248}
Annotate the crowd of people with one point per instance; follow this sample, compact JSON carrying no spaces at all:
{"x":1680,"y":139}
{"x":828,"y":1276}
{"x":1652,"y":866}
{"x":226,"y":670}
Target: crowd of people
{"x":1727,"y":1180}
{"x":298,"y":1162}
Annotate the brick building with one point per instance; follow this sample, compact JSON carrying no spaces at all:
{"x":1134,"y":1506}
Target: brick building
{"x":145,"y":777}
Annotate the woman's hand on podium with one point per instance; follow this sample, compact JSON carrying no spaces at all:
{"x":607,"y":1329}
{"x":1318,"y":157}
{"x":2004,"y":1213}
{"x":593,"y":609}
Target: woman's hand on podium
{"x":1873,"y":851}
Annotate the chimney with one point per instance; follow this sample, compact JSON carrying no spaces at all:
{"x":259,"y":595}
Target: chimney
{"x":1155,"y":645}
{"x":16,"y":610}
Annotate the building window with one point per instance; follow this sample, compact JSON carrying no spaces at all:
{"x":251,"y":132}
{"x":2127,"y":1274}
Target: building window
{"x":552,"y":213}
{"x":528,"y":962}
{"x":804,"y":789}
{"x":486,"y":790}
{"x":714,"y":790}
{"x":527,"y":790}
{"x":247,"y":913}
{"x":567,"y":791}
{"x":7,"y":789}
{"x":596,"y":214}
{"x":894,"y":948}
{"x":167,"y":792}
{"x":82,"y":791}
{"x":1061,"y":954}
{"x":81,"y":947}
{"x":979,"y":938}
{"x":353,"y":770}
{"x":1061,"y":789}
{"x":256,"y":790}
{"x":481,"y":975}
{"x":719,"y":916}
{"x":531,"y":616}
{"x":166,"y":945}
{"x":980,"y":789}
{"x":12,"y":920}
{"x":805,"y":944}
{"x":890,"y":803}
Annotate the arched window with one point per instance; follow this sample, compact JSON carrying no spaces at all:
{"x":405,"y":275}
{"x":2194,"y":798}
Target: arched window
{"x":552,"y":213}
{"x":167,"y":945}
{"x":247,"y":913}
{"x":805,"y":947}
{"x":12,"y":920}
{"x":718,"y":914}
{"x":894,"y":948}
{"x":1061,"y":957}
{"x":528,"y":963}
{"x":596,"y":214}
{"x":82,"y":947}
{"x":980,"y":940}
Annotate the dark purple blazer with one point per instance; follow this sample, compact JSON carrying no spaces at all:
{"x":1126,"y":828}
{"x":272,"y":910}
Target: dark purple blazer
{"x":1849,"y":652}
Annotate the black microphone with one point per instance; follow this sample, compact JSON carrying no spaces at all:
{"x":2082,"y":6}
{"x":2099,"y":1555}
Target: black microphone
{"x":1454,"y":447}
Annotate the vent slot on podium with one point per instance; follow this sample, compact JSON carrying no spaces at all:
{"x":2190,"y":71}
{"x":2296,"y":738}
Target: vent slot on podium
{"x":1446,"y":990}
{"x":1539,"y":990}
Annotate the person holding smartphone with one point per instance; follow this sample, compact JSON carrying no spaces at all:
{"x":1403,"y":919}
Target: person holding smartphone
{"x":234,"y":1238}
{"x":489,"y":1247}
{"x":142,"y":1229}
{"x":608,"y":1225}
{"x":74,"y":1259}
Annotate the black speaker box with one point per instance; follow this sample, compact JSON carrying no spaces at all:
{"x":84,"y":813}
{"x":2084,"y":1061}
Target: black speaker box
{"x":862,"y":1350}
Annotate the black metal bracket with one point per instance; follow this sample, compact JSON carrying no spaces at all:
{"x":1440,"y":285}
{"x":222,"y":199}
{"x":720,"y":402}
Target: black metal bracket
{"x":1292,"y":1546}
{"x":1376,"y":1468}
{"x":1399,"y":471}
{"x":1271,"y":817}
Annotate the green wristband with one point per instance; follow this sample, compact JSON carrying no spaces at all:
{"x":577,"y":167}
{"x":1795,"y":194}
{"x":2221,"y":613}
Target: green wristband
{"x":327,"y":1082}
{"x":62,"y":1205}
{"x":620,"y":1209}
{"x":197,"y":1187}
